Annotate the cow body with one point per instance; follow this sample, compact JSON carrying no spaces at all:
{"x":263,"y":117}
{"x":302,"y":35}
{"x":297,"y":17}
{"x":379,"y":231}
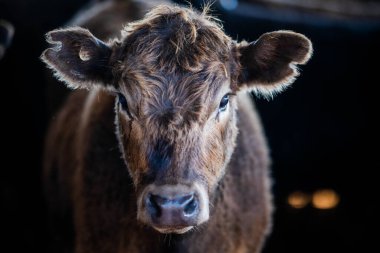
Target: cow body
{"x":88,"y":180}
{"x":150,"y":159}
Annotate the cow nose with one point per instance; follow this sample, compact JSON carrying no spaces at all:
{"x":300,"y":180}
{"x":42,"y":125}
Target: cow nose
{"x":173,"y":211}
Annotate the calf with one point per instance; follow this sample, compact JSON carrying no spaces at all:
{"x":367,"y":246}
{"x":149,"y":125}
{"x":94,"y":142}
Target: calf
{"x":6,"y":36}
{"x":148,"y":144}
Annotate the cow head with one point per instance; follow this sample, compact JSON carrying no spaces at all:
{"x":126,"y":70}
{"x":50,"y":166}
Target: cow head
{"x":175,"y":76}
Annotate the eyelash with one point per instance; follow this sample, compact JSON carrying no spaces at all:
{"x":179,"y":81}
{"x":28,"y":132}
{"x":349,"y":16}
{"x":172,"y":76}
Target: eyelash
{"x":224,"y":103}
{"x":124,"y":104}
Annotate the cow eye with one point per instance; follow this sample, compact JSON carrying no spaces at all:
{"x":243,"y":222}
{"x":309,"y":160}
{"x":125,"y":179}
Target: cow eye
{"x":224,"y":103}
{"x":123,"y":103}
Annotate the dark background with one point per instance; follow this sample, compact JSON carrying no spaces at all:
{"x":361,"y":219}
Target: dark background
{"x":323,"y":131}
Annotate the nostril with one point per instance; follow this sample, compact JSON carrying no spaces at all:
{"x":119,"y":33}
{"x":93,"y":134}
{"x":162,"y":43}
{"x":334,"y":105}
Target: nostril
{"x":172,"y":208}
{"x":153,"y":206}
{"x":191,"y":207}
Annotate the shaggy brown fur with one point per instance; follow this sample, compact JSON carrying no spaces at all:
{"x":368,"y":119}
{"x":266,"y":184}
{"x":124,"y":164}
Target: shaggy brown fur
{"x":170,"y":71}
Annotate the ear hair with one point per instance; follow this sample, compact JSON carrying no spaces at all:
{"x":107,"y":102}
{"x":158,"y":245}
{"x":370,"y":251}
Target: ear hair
{"x":78,"y":58}
{"x":269,"y":64}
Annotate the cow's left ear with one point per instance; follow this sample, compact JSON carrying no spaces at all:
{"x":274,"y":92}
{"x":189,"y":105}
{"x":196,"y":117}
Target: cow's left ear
{"x":269,"y":64}
{"x":78,"y":58}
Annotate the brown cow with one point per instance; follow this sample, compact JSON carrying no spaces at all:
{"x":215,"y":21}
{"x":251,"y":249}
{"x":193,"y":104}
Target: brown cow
{"x":6,"y":36}
{"x":149,"y":145}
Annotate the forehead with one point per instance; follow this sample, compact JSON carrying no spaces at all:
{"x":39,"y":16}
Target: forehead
{"x":176,"y":97}
{"x":175,"y":39}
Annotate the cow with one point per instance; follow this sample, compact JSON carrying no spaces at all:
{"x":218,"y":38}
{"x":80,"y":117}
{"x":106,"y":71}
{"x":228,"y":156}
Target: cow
{"x":6,"y":36}
{"x":160,"y":148}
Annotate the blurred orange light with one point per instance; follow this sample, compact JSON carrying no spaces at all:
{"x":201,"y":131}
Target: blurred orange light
{"x":325,"y":199}
{"x":298,"y":199}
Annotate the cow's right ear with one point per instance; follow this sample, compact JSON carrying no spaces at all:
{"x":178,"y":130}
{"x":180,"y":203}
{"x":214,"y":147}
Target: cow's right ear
{"x":78,"y":58}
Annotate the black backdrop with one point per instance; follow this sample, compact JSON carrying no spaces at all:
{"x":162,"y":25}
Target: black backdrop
{"x":323,"y":131}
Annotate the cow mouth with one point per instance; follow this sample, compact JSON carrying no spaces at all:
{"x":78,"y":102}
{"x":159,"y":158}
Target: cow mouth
{"x":173,"y":230}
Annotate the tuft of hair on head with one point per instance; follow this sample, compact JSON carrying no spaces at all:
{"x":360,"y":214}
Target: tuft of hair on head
{"x":207,"y":13}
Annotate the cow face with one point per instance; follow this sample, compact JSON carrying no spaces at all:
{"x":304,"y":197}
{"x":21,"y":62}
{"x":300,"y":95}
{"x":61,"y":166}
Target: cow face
{"x":175,"y":75}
